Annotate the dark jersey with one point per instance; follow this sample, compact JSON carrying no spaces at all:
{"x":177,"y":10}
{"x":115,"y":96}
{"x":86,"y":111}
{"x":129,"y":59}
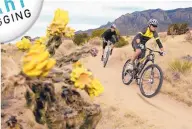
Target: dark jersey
{"x":146,"y":34}
{"x":108,"y":35}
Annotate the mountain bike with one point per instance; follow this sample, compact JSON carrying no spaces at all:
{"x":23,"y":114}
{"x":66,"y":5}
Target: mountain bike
{"x":140,"y":70}
{"x":107,"y":53}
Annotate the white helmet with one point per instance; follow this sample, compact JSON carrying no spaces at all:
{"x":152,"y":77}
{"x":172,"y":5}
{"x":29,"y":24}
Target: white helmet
{"x":153,"y":22}
{"x":113,"y":26}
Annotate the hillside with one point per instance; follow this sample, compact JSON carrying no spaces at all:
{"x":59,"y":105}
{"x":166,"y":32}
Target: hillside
{"x":134,"y":22}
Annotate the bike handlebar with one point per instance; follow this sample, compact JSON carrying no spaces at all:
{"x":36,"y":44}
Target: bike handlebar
{"x":108,"y":42}
{"x":154,"y":51}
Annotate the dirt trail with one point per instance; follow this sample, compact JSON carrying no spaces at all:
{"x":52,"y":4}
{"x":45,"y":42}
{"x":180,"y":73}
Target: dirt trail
{"x":159,"y":112}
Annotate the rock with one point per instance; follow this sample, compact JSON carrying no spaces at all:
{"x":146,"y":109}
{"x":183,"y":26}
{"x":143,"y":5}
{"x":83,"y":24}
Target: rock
{"x":188,"y":58}
{"x":57,"y":79}
{"x":13,"y":123}
{"x":3,"y":51}
{"x":176,"y":76}
{"x":3,"y":115}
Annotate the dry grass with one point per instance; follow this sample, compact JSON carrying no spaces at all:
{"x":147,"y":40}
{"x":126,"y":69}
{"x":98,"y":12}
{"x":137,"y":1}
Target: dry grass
{"x":119,"y":120}
{"x":138,"y":122}
{"x":30,"y":123}
{"x":113,"y":109}
{"x":180,"y":66}
{"x":178,"y":75}
{"x":181,"y":93}
{"x":135,"y":119}
{"x":178,"y":87}
{"x":95,"y":41}
{"x":188,"y":37}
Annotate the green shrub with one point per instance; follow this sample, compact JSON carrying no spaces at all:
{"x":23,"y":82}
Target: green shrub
{"x":122,"y":42}
{"x":178,"y":29}
{"x":181,"y":66}
{"x":80,"y":39}
{"x":97,"y":32}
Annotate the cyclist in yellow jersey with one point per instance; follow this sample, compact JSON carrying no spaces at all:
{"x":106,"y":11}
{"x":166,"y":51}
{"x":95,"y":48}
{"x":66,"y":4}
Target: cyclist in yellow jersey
{"x":142,"y":37}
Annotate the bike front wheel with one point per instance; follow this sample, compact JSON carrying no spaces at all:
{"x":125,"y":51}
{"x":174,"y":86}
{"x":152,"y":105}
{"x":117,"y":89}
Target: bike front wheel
{"x":106,"y":57}
{"x":151,"y":79}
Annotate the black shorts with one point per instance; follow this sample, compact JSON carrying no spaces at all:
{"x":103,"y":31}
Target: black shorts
{"x":135,"y":46}
{"x":111,"y":40}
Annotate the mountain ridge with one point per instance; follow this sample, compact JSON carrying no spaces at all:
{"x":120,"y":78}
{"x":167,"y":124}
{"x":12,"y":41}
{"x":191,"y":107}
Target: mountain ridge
{"x":131,"y":23}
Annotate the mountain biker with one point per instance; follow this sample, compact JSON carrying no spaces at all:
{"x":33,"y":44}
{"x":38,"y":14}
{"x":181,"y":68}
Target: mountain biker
{"x":141,"y":38}
{"x":109,"y":35}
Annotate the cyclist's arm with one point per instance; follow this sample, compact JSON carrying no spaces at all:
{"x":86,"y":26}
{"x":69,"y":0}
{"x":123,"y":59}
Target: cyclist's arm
{"x":156,"y":36}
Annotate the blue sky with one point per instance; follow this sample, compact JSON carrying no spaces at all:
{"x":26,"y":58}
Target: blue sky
{"x":86,"y":14}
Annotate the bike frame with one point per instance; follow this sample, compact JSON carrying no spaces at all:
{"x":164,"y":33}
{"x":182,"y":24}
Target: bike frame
{"x":146,"y":59}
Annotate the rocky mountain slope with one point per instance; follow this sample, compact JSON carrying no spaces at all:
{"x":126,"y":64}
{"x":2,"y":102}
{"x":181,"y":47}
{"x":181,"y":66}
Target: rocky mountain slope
{"x":134,"y":22}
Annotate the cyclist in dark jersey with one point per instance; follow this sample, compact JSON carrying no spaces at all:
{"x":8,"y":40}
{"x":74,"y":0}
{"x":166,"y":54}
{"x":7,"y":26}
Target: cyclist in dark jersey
{"x":142,"y":37}
{"x":109,"y":35}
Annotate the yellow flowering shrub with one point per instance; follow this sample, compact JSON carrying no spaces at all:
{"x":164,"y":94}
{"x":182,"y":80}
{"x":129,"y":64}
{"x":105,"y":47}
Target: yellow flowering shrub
{"x":83,"y":79}
{"x":59,"y":25}
{"x":36,"y":62}
{"x":24,"y":44}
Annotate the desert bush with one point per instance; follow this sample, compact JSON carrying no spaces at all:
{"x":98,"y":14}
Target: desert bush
{"x":188,"y":37}
{"x":122,"y":42}
{"x":181,"y":66}
{"x":80,"y":39}
{"x":177,"y":29}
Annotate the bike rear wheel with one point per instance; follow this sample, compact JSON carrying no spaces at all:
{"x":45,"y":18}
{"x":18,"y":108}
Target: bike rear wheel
{"x":151,"y":80}
{"x":127,"y":73}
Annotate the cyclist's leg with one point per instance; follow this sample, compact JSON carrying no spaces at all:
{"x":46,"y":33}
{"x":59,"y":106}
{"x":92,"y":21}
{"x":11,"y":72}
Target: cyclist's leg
{"x":137,"y":50}
{"x":142,"y":55}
